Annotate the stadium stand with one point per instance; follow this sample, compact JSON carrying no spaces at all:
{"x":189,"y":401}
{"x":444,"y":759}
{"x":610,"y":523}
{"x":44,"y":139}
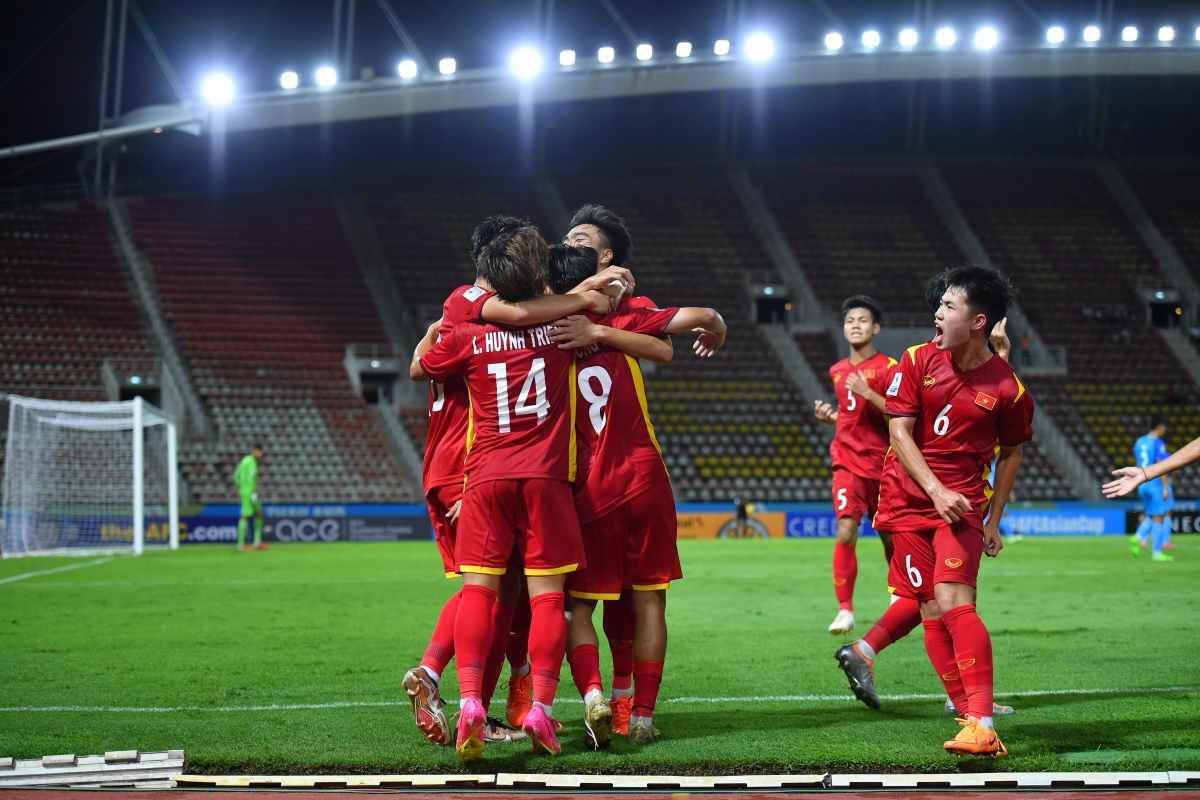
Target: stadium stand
{"x":264,"y":295}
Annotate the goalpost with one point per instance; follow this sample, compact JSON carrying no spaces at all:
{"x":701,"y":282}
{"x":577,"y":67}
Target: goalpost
{"x":83,"y":478}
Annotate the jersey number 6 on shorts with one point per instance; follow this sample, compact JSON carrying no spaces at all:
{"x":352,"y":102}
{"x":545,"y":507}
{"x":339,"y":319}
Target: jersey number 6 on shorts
{"x":914,"y":574}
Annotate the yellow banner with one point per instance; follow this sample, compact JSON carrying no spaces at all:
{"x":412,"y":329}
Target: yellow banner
{"x":709,"y":525}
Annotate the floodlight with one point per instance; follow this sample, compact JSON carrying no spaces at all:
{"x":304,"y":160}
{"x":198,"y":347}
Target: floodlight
{"x":376,"y":363}
{"x":870,"y":39}
{"x":1198,"y":34}
{"x":526,"y":62}
{"x":683,"y":49}
{"x":447,"y":66}
{"x":833,"y":41}
{"x":908,"y":37}
{"x":1166,"y":34}
{"x":606,"y":55}
{"x":407,"y":69}
{"x":644,"y":52}
{"x":986,"y":38}
{"x":289,"y":80}
{"x":760,"y":47}
{"x":1091,"y":34}
{"x":1056,"y":35}
{"x":326,"y":76}
{"x":1129,"y":34}
{"x":135,"y":379}
{"x":945,"y":37}
{"x":217,"y":89}
{"x":721,"y":47}
{"x":566,"y":58}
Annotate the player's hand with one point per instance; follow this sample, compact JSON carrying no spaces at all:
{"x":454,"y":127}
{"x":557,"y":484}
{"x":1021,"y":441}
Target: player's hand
{"x":824,"y":411}
{"x":452,"y":514}
{"x":707,"y":345}
{"x":254,"y":497}
{"x":993,"y":542}
{"x":857,"y":383}
{"x":999,"y":339}
{"x":951,"y":506}
{"x":1130,"y":478}
{"x":605,"y":277}
{"x":575,"y":331}
{"x":599,"y":302}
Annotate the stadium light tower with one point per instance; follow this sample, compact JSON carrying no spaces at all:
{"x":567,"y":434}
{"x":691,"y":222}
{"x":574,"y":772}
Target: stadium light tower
{"x":606,"y":55}
{"x":1166,"y":34}
{"x":986,"y":38}
{"x":407,"y":69}
{"x":217,"y":89}
{"x":871,"y":39}
{"x":326,"y":77}
{"x":760,"y":47}
{"x":945,"y":37}
{"x":908,"y":37}
{"x":526,"y":62}
{"x":567,"y":58}
{"x":1056,"y":35}
{"x":289,"y":80}
{"x":721,"y":47}
{"x":833,"y":41}
{"x":683,"y":49}
{"x":1091,"y":34}
{"x":1129,"y":34}
{"x":645,"y":52}
{"x":447,"y":66}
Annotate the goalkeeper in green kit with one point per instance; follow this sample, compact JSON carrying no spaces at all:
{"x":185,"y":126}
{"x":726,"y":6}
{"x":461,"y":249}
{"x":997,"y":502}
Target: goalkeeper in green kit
{"x":246,"y":478}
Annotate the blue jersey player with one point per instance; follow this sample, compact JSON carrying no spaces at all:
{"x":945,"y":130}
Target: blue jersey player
{"x":1156,"y":495}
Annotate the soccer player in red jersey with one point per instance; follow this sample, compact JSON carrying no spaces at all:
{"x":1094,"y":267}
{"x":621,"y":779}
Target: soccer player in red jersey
{"x":623,"y":497}
{"x":858,"y":447}
{"x":517,"y":507}
{"x":442,"y":478}
{"x":952,"y":406}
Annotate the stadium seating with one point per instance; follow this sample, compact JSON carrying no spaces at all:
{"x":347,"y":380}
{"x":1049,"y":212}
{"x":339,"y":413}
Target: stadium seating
{"x":1169,"y":196}
{"x":264,"y":294}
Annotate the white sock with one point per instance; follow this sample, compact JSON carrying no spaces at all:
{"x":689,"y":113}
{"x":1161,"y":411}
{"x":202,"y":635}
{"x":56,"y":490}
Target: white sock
{"x":987,"y":723}
{"x":518,"y":672}
{"x":636,"y":720}
{"x":622,"y":693}
{"x":587,"y":698}
{"x":549,"y":709}
{"x":436,"y":678}
{"x":865,"y":649}
{"x":893,"y":598}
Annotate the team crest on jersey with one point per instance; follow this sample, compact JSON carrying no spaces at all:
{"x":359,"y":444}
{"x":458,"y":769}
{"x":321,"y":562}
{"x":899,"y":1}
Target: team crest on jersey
{"x":869,"y":374}
{"x":985,"y":400}
{"x":894,"y":389}
{"x":953,"y":563}
{"x":837,"y":378}
{"x":929,"y":380}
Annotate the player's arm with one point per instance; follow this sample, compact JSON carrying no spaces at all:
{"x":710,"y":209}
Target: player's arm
{"x":639,"y":345}
{"x":950,"y":506}
{"x":858,"y":384}
{"x":424,"y":346}
{"x":1133,"y":477}
{"x":444,"y":359}
{"x":999,"y":339}
{"x":1007,"y":464}
{"x":705,"y":321}
{"x":547,"y":308}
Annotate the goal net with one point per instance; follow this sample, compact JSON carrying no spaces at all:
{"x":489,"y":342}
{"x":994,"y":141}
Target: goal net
{"x":88,"y":477}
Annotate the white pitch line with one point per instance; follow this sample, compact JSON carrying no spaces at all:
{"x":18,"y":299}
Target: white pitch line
{"x":794,"y":698}
{"x":25,"y":575}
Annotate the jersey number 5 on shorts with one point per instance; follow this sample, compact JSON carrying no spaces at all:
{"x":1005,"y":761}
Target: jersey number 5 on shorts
{"x":535,"y":382}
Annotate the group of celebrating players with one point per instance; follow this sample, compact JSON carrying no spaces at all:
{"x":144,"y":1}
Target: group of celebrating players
{"x":542,"y":463}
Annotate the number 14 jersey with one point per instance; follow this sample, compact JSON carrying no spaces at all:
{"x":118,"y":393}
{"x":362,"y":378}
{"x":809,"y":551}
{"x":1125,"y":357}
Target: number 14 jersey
{"x":963,"y":418}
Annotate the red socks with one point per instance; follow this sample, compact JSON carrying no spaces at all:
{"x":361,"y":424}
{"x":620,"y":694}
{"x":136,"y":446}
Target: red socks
{"x":620,"y":620}
{"x":502,"y":616}
{"x":647,"y":675}
{"x":441,"y":644}
{"x":585,"y":668}
{"x":973,"y":653}
{"x":473,"y":638}
{"x":547,"y":643}
{"x":896,"y":623}
{"x":518,"y":640}
{"x":940,"y":648}
{"x":845,"y":570}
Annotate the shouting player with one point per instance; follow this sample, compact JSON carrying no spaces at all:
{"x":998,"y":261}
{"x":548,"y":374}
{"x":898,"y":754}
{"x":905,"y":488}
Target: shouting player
{"x":858,"y":447}
{"x":623,"y":497}
{"x":1156,"y":494}
{"x":442,"y":477}
{"x":952,"y":405}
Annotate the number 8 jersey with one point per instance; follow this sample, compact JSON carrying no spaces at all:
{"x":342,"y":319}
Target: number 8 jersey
{"x":963,"y":418}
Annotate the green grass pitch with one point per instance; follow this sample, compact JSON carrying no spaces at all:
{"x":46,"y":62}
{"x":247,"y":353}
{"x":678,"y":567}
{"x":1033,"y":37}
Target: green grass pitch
{"x":212,"y":631}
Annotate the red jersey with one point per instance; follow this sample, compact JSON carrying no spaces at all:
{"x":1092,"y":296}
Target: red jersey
{"x":522,"y":391}
{"x":963,"y":418}
{"x":861,"y":440}
{"x":449,"y":403}
{"x":619,"y":455}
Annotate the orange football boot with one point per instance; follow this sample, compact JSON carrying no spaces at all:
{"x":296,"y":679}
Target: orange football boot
{"x":622,"y":708}
{"x":975,"y":740}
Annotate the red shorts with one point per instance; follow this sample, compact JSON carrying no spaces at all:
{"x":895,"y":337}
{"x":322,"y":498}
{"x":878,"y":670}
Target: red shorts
{"x":440,"y":498}
{"x":946,"y":554}
{"x":854,"y":495}
{"x":534,"y":517}
{"x":630,"y":547}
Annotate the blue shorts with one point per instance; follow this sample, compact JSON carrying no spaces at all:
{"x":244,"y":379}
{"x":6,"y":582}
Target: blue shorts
{"x":1151,"y":495}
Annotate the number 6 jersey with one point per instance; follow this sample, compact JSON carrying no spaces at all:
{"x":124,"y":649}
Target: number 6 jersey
{"x":522,"y":388}
{"x":963,"y":418}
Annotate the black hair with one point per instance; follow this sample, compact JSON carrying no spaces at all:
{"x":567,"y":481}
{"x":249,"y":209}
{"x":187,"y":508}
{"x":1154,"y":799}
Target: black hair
{"x":862,"y":301}
{"x":257,"y":447}
{"x":612,"y":230}
{"x":490,"y":228}
{"x":986,"y":291}
{"x":514,"y":263}
{"x":935,"y":290}
{"x":570,"y":266}
{"x":1158,"y":419}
